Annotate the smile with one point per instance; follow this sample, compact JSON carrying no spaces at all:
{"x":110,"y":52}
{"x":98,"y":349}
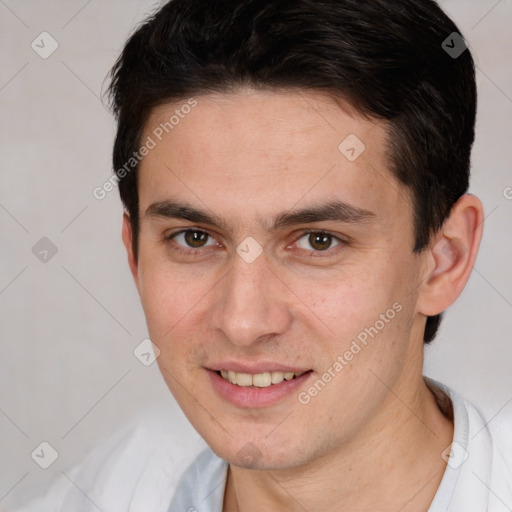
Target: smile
{"x":259,"y":380}
{"x":254,"y":387}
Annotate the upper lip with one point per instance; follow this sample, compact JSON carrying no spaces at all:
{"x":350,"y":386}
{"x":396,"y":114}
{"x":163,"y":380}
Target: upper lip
{"x":253,"y":368}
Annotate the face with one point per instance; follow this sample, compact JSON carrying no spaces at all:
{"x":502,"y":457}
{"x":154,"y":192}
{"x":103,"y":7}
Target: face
{"x":266,"y":249}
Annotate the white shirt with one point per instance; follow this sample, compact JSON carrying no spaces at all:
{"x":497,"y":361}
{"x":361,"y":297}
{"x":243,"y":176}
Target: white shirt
{"x":140,"y":473}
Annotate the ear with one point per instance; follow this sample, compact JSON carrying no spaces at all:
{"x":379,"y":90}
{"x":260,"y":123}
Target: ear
{"x":451,"y":256}
{"x":127,"y":235}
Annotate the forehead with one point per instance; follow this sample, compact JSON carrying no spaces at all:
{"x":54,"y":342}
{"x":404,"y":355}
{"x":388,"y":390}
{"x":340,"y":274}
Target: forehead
{"x":253,"y":150}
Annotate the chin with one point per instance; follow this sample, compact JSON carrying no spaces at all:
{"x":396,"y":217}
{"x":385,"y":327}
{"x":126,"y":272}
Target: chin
{"x":255,"y":455}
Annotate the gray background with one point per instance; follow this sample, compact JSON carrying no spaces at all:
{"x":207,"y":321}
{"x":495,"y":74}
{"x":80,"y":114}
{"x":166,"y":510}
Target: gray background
{"x":69,"y":325}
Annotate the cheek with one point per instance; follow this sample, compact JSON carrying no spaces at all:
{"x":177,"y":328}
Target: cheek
{"x":368,"y":312}
{"x":349,"y":300}
{"x":166,"y":296}
{"x":176,"y":303}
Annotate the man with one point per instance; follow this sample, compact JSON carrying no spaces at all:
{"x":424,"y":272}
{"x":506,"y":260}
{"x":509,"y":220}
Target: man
{"x":294,"y":177}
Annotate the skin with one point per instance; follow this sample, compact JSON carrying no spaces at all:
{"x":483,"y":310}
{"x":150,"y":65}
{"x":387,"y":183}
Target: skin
{"x":372,"y":438}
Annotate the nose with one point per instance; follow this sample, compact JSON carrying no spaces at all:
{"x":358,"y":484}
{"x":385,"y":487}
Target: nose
{"x":252,"y":303}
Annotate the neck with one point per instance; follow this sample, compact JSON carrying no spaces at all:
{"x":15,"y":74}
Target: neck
{"x":394,"y":464}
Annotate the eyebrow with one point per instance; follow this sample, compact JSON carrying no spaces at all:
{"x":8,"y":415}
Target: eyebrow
{"x":178,"y":210}
{"x":334,"y":211}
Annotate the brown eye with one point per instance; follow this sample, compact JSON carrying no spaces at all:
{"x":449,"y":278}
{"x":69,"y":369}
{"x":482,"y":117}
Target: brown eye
{"x":196,"y":238}
{"x":318,"y":241}
{"x":192,"y":239}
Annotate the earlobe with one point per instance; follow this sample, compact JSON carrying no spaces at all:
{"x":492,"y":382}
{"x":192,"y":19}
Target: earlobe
{"x":452,"y":254}
{"x":127,"y":236}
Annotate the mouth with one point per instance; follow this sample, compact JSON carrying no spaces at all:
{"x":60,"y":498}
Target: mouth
{"x":256,"y":387}
{"x":258,"y":380}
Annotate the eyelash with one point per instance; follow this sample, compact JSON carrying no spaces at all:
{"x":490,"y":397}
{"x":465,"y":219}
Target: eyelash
{"x":179,"y":248}
{"x":194,"y":252}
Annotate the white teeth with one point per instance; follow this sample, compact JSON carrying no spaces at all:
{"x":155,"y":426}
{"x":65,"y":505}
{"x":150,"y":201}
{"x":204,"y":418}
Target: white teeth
{"x":244,"y":379}
{"x":259,"y":380}
{"x":277,"y":377}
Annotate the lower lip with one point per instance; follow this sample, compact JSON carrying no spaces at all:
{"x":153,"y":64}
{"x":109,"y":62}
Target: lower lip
{"x":253,"y":397}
